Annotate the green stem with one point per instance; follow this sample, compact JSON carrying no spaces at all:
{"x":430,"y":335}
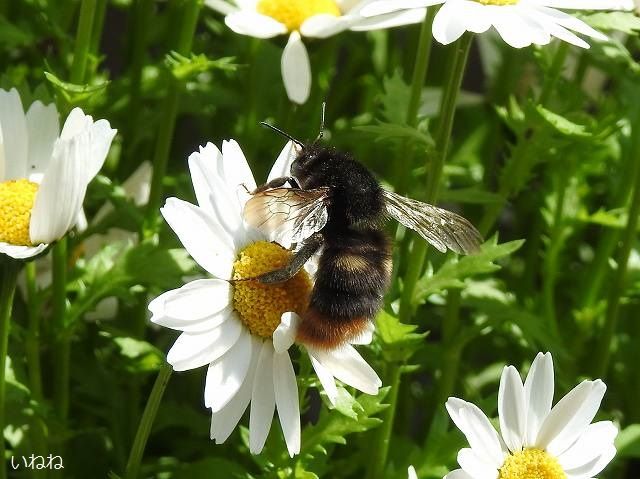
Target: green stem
{"x":451,"y":88}
{"x":148,"y":416}
{"x":165,"y":132}
{"x":553,"y":251}
{"x":33,"y":333}
{"x":61,"y":346}
{"x":604,"y":343}
{"x":378,"y":464}
{"x":7,"y":289}
{"x":98,"y":26}
{"x":423,"y":54}
{"x":83,"y":41}
{"x":552,"y":76}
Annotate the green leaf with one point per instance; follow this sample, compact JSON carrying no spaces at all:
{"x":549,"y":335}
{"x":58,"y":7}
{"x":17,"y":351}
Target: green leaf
{"x":185,"y":68}
{"x":332,"y":428}
{"x":149,"y":265}
{"x":140,"y":356}
{"x":210,"y":467}
{"x":471,"y":196}
{"x":346,"y":404}
{"x":626,"y":22}
{"x":385,"y":131}
{"x":395,"y":99}
{"x":628,"y":442}
{"x":73,"y":93}
{"x":562,"y":125}
{"x":399,"y":341}
{"x":455,"y":270}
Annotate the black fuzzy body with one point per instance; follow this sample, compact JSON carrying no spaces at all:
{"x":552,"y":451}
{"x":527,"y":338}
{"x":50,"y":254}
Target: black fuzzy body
{"x":355,"y":265}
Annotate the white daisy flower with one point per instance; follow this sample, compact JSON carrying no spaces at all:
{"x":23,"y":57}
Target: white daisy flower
{"x":520,"y":23}
{"x":303,"y":18}
{"x":44,"y":173}
{"x":242,"y":330}
{"x":535,"y":440}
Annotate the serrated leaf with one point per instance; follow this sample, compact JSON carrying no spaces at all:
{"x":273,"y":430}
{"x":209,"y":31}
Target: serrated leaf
{"x":562,"y":125}
{"x":185,"y":68}
{"x":332,"y":428}
{"x":74,"y":93}
{"x":454,"y":271}
{"x":400,"y":341}
{"x":346,"y":404}
{"x":384,"y":131}
{"x":395,"y":99}
{"x":151,"y":266}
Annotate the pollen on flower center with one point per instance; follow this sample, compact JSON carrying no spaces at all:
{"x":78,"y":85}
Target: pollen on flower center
{"x":531,"y":464}
{"x":498,"y":2}
{"x":259,"y":305}
{"x":16,"y":202}
{"x":293,"y":13}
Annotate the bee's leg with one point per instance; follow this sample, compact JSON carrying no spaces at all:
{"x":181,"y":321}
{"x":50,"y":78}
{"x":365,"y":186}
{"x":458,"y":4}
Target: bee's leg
{"x":308,"y":249}
{"x":276,"y":183}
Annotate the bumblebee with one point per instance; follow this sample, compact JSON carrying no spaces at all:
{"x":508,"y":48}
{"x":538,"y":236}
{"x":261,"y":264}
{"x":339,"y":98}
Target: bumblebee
{"x":334,"y":205}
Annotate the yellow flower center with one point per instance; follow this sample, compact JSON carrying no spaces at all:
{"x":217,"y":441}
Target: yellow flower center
{"x":498,"y":2}
{"x":531,"y":464}
{"x":16,"y":203}
{"x":259,"y":305}
{"x":293,"y":13}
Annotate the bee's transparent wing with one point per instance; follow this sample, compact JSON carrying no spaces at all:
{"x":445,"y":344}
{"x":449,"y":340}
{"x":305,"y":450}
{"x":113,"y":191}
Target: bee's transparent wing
{"x":441,"y":228}
{"x":288,"y":215}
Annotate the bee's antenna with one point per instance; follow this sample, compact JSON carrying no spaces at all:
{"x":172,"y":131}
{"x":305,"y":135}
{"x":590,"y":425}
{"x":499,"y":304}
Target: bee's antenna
{"x":286,"y":135}
{"x":321,"y":134}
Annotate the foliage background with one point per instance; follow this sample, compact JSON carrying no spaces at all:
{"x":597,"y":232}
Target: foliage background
{"x":544,"y":159}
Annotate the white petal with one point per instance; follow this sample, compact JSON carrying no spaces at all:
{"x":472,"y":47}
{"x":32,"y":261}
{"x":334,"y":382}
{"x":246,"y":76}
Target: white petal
{"x":569,"y":418}
{"x":323,"y":26}
{"x":478,"y":18}
{"x":254,"y":24}
{"x":224,"y":421}
{"x":326,"y":379}
{"x":285,"y":334}
{"x":200,"y":325}
{"x":572,"y":23}
{"x":213,"y":195}
{"x":480,"y":434}
{"x":538,"y":389}
{"x":61,"y":193}
{"x":43,"y":128}
{"x":597,"y":437}
{"x":519,"y":30}
{"x":221,"y":6}
{"x":101,"y":136}
{"x":594,"y":466}
{"x":195,"y":300}
{"x":234,"y":166}
{"x":263,"y":400}
{"x":382,"y":7}
{"x":21,"y":252}
{"x":227,"y":373}
{"x":296,"y":69}
{"x":2,"y":158}
{"x":14,"y":135}
{"x":282,"y":165}
{"x":137,"y":187}
{"x":194,"y":350}
{"x":76,"y":123}
{"x":511,"y":409}
{"x":286,"y":394}
{"x":205,"y":243}
{"x":392,"y":20}
{"x":346,"y":364}
{"x":475,"y":465}
{"x":449,"y":23}
{"x":458,"y":474}
{"x":411,"y":473}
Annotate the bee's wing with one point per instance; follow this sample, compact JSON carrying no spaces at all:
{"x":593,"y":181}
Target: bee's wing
{"x":288,"y":215}
{"x":441,"y":228}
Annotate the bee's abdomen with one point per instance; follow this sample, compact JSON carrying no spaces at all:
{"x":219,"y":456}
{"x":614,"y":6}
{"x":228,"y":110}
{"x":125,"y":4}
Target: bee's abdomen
{"x":353,"y":276}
